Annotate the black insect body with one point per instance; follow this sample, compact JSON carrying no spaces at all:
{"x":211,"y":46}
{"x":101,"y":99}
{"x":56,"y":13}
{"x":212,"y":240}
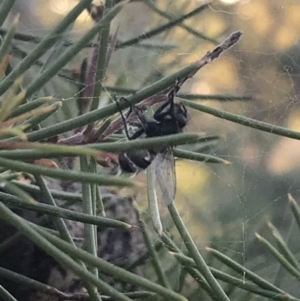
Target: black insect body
{"x":169,"y":122}
{"x":134,"y":161}
{"x":170,"y":118}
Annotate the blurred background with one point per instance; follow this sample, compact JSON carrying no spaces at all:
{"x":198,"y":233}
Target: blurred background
{"x":222,"y":205}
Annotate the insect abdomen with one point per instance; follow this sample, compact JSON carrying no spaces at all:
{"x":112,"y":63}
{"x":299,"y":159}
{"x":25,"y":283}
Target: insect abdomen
{"x":133,"y":161}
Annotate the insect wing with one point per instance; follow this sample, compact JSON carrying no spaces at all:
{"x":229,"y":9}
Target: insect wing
{"x":164,"y":166}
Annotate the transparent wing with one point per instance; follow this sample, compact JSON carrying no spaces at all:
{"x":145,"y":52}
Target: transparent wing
{"x":165,"y":178}
{"x":152,"y":199}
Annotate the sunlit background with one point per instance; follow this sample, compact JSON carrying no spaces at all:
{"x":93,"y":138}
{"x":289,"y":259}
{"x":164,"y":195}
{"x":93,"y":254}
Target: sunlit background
{"x":228,"y":201}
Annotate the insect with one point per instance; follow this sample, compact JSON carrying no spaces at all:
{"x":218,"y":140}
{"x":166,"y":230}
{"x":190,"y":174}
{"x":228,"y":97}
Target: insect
{"x":170,"y":118}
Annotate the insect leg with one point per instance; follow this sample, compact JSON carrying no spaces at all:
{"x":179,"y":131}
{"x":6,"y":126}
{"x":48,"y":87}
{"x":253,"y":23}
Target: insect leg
{"x":159,"y":115}
{"x":124,"y":119}
{"x":142,"y":119}
{"x":122,"y":116}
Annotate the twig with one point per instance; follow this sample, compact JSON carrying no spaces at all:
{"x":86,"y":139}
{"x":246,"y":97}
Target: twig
{"x":81,"y":138}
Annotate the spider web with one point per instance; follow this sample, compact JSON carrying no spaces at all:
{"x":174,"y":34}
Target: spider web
{"x":222,"y":205}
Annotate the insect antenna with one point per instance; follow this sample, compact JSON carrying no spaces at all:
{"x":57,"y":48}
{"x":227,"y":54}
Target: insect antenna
{"x":138,"y":113}
{"x":122,"y":115}
{"x":171,"y":97}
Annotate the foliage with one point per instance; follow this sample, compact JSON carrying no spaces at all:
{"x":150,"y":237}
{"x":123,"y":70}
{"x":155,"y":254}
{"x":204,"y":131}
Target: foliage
{"x":33,"y":147}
